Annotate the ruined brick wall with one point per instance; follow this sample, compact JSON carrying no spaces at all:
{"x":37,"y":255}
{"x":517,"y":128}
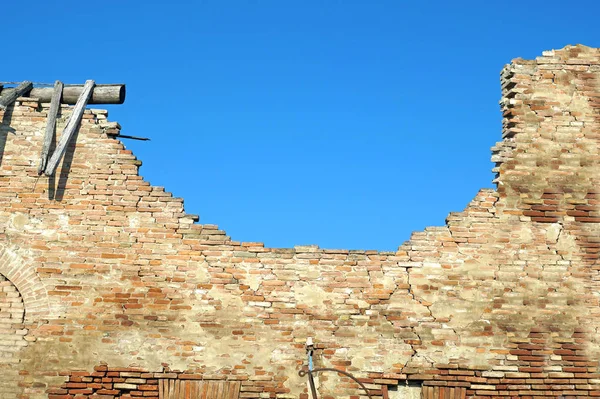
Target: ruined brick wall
{"x":122,"y":289}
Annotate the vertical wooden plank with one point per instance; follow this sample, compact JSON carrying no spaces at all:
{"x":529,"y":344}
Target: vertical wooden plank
{"x":233,"y":390}
{"x":50,"y":125}
{"x":161,"y":395}
{"x":436,"y":392}
{"x":204,"y":390}
{"x":226,"y":387}
{"x":428,"y":392}
{"x":217,"y":388}
{"x":171,"y":388}
{"x":222,"y":389}
{"x":69,"y":130}
{"x":451,"y":392}
{"x":238,"y":389}
{"x":443,"y":393}
{"x":180,"y":391}
{"x":210,"y":387}
{"x":463,"y":393}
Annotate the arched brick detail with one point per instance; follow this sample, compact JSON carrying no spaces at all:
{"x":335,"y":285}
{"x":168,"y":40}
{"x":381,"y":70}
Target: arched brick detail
{"x":22,"y":274}
{"x":12,"y":337}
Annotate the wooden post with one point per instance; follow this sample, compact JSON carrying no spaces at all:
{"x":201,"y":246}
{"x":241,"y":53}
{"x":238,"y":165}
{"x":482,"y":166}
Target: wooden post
{"x":72,"y":125}
{"x":8,"y":98}
{"x":51,"y":125}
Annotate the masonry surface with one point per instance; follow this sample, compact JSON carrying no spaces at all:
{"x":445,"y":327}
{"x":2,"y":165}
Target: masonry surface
{"x":107,"y":286}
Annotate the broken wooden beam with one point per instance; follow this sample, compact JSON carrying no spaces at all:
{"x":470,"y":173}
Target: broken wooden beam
{"x":50,"y":125}
{"x":102,"y":94}
{"x":8,"y":96}
{"x":125,"y":136}
{"x":70,"y":129}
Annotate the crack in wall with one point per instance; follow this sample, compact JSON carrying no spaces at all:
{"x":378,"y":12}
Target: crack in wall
{"x":415,"y":329}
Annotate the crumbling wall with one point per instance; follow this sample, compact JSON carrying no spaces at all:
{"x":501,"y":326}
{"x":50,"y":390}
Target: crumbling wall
{"x":121,"y":288}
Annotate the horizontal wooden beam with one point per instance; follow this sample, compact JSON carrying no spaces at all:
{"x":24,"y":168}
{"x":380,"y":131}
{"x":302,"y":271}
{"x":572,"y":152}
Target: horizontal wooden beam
{"x":102,"y":94}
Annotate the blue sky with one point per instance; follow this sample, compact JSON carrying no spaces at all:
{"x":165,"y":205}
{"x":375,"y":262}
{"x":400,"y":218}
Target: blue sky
{"x":346,"y":124}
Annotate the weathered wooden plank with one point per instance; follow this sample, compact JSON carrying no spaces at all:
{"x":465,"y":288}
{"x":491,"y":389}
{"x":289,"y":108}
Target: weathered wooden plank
{"x":215,"y":390}
{"x":188,"y":389}
{"x":161,"y":385}
{"x":463,"y":393}
{"x":221,"y":389}
{"x":171,"y":389}
{"x":9,"y":96}
{"x":101,"y":94}
{"x":194,"y":392}
{"x":50,"y":125}
{"x":70,"y":129}
{"x":234,"y":389}
{"x":178,"y":384}
{"x":215,"y":393}
{"x":207,"y":390}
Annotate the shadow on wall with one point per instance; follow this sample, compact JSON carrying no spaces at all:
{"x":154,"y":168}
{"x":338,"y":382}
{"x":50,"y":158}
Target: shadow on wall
{"x":4,"y":130}
{"x":57,"y":191}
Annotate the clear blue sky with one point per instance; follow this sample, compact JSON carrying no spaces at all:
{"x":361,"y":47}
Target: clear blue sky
{"x":347,"y":124}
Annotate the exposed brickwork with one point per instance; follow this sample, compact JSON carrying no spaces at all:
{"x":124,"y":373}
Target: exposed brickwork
{"x":12,"y":335}
{"x":502,"y":300}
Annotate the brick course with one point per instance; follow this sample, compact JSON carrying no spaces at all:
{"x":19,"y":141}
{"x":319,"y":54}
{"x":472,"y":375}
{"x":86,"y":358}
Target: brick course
{"x":122,"y":288}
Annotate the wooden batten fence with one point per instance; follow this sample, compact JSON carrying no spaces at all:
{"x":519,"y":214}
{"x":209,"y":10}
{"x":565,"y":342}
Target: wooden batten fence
{"x":194,"y":389}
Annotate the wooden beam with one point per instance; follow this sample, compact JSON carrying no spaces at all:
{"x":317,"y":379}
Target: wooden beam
{"x":124,"y":136}
{"x":102,"y":94}
{"x":71,"y":127}
{"x":9,"y":96}
{"x":51,"y":125}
